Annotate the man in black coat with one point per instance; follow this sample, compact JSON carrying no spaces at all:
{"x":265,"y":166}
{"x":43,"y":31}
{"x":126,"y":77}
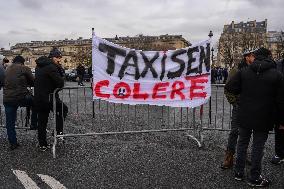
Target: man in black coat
{"x":48,"y":77}
{"x":261,"y":88}
{"x":279,"y":131}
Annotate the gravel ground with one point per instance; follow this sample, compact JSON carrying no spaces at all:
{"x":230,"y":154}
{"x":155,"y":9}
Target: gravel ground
{"x":160,"y":160}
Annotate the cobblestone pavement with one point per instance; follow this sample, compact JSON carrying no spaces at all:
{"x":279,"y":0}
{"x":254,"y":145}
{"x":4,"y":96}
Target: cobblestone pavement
{"x":161,"y":160}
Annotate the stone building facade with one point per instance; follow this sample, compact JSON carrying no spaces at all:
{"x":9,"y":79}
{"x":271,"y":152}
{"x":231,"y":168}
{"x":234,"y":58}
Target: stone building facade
{"x":79,"y":51}
{"x":238,"y":37}
{"x":275,"y":41}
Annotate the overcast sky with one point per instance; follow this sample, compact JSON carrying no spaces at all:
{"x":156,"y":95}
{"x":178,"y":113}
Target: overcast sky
{"x":27,"y":20}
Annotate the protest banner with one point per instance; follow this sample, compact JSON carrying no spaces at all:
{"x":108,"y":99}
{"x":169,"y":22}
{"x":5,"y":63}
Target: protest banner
{"x":176,"y":78}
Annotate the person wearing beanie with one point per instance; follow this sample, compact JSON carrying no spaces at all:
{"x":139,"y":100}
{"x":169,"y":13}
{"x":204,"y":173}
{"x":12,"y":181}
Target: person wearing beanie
{"x":18,"y":78}
{"x":6,"y":63}
{"x":49,"y":77}
{"x":19,"y":60}
{"x":261,"y":90}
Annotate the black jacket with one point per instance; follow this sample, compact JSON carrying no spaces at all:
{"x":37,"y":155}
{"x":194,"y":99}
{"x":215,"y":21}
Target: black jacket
{"x":280,"y":66}
{"x":81,"y":70}
{"x":47,"y":79}
{"x":261,"y":91}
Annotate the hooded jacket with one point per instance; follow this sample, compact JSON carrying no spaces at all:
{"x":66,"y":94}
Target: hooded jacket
{"x":17,"y":78}
{"x":47,"y":79}
{"x":261,"y":88}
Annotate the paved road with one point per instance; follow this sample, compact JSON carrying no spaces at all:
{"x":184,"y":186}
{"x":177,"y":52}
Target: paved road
{"x":130,"y":161}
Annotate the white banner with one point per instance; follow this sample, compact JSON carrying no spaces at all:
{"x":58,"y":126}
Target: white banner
{"x":177,"y":78}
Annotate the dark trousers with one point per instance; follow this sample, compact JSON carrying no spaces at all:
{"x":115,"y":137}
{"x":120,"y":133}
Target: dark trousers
{"x":61,"y":113}
{"x":42,"y":124}
{"x":234,"y":133}
{"x":31,"y":117}
{"x":279,"y":142}
{"x":80,"y":81}
{"x":259,"y":139}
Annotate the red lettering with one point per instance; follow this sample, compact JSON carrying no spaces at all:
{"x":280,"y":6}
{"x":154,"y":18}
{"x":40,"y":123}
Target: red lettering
{"x":97,"y":89}
{"x":177,"y":90}
{"x":160,"y":87}
{"x":194,"y":86}
{"x":136,"y":92}
{"x":121,"y":90}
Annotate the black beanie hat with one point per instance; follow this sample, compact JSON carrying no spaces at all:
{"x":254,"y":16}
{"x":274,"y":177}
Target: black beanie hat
{"x":5,"y":60}
{"x":262,"y":52}
{"x":55,"y":53}
{"x":19,"y":59}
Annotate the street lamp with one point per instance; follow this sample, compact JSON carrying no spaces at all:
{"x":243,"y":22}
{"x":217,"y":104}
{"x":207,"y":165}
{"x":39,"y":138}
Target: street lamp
{"x":210,"y":34}
{"x":212,"y":54}
{"x":210,"y":108}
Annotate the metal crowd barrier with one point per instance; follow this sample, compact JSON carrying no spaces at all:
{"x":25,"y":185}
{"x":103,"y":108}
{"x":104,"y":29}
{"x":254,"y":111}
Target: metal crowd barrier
{"x":88,"y":117}
{"x":218,"y":111}
{"x":22,"y":121}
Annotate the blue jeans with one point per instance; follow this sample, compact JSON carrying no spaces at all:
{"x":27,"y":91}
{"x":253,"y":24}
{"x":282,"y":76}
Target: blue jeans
{"x":11,"y":116}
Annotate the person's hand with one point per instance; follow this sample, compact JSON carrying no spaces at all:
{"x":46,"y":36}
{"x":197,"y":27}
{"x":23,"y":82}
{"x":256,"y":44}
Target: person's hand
{"x":281,"y":127}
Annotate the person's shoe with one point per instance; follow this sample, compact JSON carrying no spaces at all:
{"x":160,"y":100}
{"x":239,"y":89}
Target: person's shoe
{"x":261,"y":182}
{"x":276,"y":160}
{"x":229,"y":160}
{"x":239,"y":176}
{"x":61,"y":139}
{"x":43,"y":148}
{"x":14,"y":146}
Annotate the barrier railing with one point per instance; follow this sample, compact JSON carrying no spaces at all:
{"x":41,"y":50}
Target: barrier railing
{"x":23,"y":118}
{"x":217,"y":112}
{"x":98,"y":117}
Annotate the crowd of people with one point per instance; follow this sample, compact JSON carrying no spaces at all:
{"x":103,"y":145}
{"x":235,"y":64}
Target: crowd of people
{"x":16,"y":79}
{"x":255,"y":88}
{"x":219,"y":75}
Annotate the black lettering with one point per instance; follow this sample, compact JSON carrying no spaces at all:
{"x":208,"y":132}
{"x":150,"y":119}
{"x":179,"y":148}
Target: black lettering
{"x":149,"y":65}
{"x":191,"y":60}
{"x":204,"y":58}
{"x":174,"y":58}
{"x":163,"y":66}
{"x":131,"y":55}
{"x":112,"y":52}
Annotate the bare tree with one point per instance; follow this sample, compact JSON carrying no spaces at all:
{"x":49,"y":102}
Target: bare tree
{"x":280,"y":46}
{"x":82,"y":57}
